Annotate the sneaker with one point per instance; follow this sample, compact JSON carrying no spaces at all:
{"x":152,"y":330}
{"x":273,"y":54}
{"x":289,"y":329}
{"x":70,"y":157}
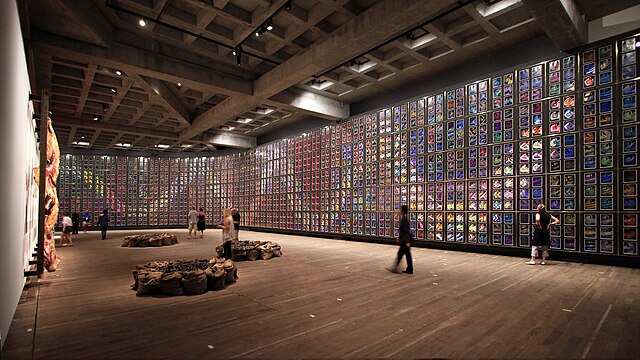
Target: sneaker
{"x":530,"y":262}
{"x":543,"y":263}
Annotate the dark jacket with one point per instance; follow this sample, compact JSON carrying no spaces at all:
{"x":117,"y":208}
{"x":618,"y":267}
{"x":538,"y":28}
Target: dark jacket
{"x":405,"y":231}
{"x":103,"y":221}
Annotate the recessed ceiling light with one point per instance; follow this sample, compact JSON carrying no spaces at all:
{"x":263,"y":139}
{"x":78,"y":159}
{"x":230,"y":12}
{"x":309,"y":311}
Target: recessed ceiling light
{"x":186,"y":146}
{"x":142,"y":23}
{"x":113,"y":90}
{"x":123,"y":145}
{"x":264,"y":111}
{"x":96,"y":118}
{"x":163,"y":146}
{"x":80,"y":143}
{"x":269,"y":25}
{"x":118,"y":72}
{"x":179,"y":84}
{"x":81,"y":137}
{"x":244,"y":120}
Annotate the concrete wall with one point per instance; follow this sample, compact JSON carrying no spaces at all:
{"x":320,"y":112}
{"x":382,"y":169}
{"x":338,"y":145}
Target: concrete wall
{"x":15,"y":161}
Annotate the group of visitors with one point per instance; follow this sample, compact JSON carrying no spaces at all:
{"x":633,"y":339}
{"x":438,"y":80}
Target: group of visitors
{"x":230,"y":226}
{"x":71,"y":224}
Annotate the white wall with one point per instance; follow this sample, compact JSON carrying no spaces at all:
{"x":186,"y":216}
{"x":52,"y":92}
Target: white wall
{"x":16,"y":159}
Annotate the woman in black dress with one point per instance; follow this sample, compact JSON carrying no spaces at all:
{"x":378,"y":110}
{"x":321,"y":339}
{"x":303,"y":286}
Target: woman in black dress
{"x":201,"y":224}
{"x":542,"y":235}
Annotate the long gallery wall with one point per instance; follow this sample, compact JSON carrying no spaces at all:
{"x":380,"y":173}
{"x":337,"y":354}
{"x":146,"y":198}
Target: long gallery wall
{"x":471,"y":162}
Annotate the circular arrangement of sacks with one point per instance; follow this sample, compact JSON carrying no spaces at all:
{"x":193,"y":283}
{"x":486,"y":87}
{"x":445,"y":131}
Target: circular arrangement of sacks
{"x":183,"y":277}
{"x":252,"y":250}
{"x":153,"y":240}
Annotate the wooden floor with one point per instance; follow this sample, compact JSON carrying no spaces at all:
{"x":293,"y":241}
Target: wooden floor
{"x":328,"y":299}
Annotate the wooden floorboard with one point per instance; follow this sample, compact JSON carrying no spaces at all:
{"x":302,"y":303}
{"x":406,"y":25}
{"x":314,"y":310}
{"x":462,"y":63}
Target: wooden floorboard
{"x":328,"y":299}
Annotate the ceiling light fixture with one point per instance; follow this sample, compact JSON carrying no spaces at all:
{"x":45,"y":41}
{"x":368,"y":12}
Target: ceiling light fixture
{"x":118,"y":72}
{"x":185,"y":146}
{"x":123,"y":145}
{"x":104,"y":107}
{"x":80,"y":143}
{"x":113,"y":90}
{"x":179,"y":84}
{"x":287,"y":5}
{"x":238,"y":57}
{"x":142,"y":23}
{"x":260,"y":31}
{"x":96,"y":118}
{"x":244,"y":120}
{"x":269,"y":24}
{"x":163,"y":146}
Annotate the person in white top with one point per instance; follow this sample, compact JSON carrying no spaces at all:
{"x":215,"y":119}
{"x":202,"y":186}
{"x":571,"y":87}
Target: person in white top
{"x":67,"y":227}
{"x":193,"y":222}
{"x":228,"y":233}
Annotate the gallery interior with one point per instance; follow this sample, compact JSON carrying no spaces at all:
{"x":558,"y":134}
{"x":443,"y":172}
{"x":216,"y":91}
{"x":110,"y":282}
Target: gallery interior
{"x":318,"y":120}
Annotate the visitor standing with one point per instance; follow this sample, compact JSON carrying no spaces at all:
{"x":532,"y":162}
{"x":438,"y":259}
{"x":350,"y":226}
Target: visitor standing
{"x":103,"y":221}
{"x":86,"y":218}
{"x":75,"y":220}
{"x":228,"y":233}
{"x":236,"y":222}
{"x":404,"y":240}
{"x":67,"y":225}
{"x":542,"y":235}
{"x":193,"y":222}
{"x":201,"y":223}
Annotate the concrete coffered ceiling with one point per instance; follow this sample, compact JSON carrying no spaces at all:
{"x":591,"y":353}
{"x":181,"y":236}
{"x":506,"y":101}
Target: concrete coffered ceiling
{"x":197,"y":78}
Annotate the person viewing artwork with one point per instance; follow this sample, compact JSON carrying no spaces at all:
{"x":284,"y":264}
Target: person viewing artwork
{"x":67,"y":228}
{"x":75,"y":219}
{"x":201,"y":223}
{"x":86,"y":218}
{"x":404,"y":241}
{"x":103,"y":221}
{"x":228,"y":233}
{"x":542,"y":235}
{"x":236,"y":222}
{"x":193,"y":222}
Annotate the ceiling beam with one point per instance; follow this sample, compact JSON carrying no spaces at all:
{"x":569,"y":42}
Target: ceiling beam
{"x":90,"y":124}
{"x":89,"y":73}
{"x":561,"y":21}
{"x":233,"y":140}
{"x":136,"y":60}
{"x":316,"y":105}
{"x":159,"y":91}
{"x":122,"y":92}
{"x":352,"y":39}
{"x":357,"y":36}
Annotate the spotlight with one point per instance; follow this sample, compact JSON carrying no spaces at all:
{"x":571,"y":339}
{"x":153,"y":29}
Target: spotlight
{"x":118,"y":72}
{"x":105,"y":107}
{"x":269,"y":25}
{"x":96,"y":118}
{"x":179,"y":84}
{"x":238,"y":49}
{"x":142,"y":23}
{"x":113,"y":90}
{"x":287,"y":5}
{"x":260,"y":31}
{"x":238,"y":57}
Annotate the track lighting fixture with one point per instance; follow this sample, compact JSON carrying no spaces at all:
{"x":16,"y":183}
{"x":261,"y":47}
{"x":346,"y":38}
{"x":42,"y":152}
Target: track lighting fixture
{"x":238,"y":57}
{"x":269,"y":24}
{"x":104,"y":107}
{"x":142,"y":23}
{"x":287,"y":5}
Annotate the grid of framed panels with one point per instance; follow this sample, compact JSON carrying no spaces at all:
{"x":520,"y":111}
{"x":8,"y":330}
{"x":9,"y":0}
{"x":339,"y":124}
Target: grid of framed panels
{"x":472,"y":163}
{"x":139,"y":191}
